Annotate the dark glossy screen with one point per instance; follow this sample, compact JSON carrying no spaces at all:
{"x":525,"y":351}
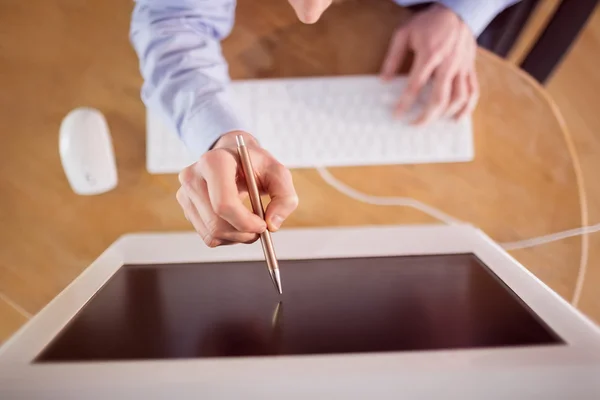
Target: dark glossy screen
{"x":328,"y":306}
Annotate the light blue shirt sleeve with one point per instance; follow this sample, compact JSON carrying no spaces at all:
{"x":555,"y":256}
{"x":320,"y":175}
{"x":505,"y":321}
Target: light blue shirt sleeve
{"x":184,"y":72}
{"x":477,"y":14}
{"x":185,"y":76}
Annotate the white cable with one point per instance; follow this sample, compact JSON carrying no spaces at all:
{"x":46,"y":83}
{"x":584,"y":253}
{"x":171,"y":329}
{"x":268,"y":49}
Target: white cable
{"x":443,"y":217}
{"x":14,"y":305}
{"x":386,"y":201}
{"x":553,"y":237}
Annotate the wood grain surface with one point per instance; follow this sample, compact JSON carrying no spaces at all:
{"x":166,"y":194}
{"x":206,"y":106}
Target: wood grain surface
{"x":576,"y":88}
{"x":60,"y":54}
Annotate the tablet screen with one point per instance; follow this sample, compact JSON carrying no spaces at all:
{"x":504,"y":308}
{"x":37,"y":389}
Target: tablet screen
{"x":328,"y":306}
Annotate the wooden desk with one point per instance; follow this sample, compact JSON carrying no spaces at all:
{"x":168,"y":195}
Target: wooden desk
{"x":58,"y":55}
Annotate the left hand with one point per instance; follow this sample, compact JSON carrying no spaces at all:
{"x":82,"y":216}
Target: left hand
{"x":444,"y":49}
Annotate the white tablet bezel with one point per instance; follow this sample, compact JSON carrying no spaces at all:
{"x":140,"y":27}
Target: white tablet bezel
{"x":539,"y":369}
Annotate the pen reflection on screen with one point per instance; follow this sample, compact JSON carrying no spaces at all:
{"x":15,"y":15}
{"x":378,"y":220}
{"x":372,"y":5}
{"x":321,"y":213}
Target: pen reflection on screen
{"x":247,"y":337}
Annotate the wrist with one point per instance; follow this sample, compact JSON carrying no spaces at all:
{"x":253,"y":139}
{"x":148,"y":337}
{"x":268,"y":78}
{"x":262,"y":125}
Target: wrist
{"x":443,"y":8}
{"x":454,"y":14}
{"x":476,"y":15}
{"x":227,"y":140}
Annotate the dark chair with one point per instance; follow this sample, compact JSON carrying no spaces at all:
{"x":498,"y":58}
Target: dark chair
{"x":554,"y":42}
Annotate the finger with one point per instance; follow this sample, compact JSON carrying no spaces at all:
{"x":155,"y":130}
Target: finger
{"x":420,"y":73}
{"x":395,"y":55}
{"x":216,"y":230}
{"x":440,"y":100}
{"x":440,"y":96}
{"x":471,"y":48}
{"x":191,"y":214}
{"x":220,"y":170}
{"x":183,"y":202}
{"x":459,"y":96}
{"x":473,"y":88}
{"x":198,"y":224}
{"x":279,"y":185}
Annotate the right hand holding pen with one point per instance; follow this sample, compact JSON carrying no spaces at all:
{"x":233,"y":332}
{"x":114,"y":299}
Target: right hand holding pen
{"x":212,"y":190}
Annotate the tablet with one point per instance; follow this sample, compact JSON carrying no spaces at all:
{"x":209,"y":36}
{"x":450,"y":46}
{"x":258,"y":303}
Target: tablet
{"x":406,"y":311}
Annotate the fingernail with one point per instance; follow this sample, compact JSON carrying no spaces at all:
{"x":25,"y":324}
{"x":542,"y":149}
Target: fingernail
{"x":276,"y":222}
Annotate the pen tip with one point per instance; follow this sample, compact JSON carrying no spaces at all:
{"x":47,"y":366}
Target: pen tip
{"x":277,"y":280}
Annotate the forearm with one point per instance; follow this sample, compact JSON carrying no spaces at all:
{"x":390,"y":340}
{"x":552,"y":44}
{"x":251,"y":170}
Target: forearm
{"x":477,"y":14}
{"x":185,"y":75}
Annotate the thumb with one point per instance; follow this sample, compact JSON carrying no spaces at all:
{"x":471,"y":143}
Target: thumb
{"x":278,"y":184}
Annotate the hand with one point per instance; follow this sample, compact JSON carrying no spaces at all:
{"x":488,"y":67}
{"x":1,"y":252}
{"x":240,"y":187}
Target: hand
{"x":213,"y":188}
{"x":445,"y":49}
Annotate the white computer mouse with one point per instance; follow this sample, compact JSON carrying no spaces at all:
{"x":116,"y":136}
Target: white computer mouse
{"x":86,"y":152}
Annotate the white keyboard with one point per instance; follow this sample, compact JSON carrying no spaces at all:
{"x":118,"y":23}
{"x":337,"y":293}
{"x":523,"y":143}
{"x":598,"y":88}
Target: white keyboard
{"x":332,"y":121}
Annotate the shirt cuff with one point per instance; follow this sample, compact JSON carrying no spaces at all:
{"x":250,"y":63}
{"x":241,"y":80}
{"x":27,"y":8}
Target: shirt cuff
{"x":477,"y":14}
{"x":207,"y":124}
